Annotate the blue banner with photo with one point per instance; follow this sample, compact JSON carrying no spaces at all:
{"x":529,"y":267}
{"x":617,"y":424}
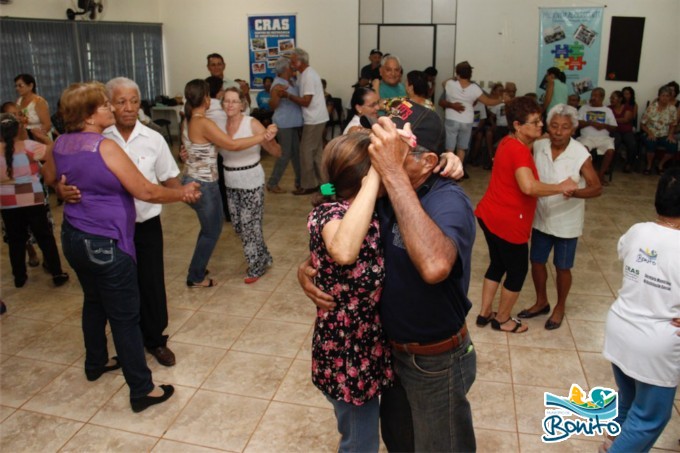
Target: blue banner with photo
{"x":269,"y":38}
{"x":570,"y":41}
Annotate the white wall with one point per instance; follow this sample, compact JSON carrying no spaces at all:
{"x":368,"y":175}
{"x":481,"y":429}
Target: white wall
{"x":326,"y":29}
{"x":116,"y":10}
{"x":500,"y":39}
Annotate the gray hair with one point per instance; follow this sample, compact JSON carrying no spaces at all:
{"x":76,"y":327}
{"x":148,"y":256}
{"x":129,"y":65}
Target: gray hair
{"x":302,"y":55}
{"x":564,"y":110}
{"x":666,"y":90}
{"x":392,"y":57}
{"x":281,"y":65}
{"x":121,"y":82}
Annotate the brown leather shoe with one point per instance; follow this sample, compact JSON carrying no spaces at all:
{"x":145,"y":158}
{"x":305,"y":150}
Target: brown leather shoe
{"x":163,"y":354}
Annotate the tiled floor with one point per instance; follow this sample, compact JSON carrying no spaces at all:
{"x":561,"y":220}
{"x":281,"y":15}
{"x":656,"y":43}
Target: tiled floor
{"x":243,"y":352}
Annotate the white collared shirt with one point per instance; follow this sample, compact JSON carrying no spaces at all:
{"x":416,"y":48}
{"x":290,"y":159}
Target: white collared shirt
{"x":556,"y":215}
{"x":150,"y":153}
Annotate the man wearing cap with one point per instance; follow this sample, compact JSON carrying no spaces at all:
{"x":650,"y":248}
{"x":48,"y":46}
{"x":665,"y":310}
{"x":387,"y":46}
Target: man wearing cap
{"x":427,"y":229}
{"x":371,"y":71}
{"x":461,"y":95}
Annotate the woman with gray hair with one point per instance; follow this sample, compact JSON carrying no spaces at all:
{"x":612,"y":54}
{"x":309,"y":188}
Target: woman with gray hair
{"x":558,"y":221}
{"x":288,"y":118}
{"x":658,"y":123}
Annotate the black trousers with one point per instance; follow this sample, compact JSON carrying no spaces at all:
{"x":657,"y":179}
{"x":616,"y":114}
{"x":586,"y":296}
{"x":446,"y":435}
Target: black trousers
{"x":17,"y":221}
{"x":151,"y":277}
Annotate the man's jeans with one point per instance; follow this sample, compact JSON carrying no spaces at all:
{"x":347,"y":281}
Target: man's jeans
{"x":436,"y":388}
{"x":210,"y":215}
{"x":108,"y":277}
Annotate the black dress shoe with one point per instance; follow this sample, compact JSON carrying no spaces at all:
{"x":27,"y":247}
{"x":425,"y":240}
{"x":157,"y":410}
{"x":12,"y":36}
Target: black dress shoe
{"x":139,"y":404}
{"x":526,"y":314}
{"x":96,"y":373}
{"x":163,"y":354}
{"x":552,"y":325}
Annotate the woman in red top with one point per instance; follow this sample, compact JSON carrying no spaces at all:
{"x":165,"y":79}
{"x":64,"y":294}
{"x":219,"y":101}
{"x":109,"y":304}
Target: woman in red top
{"x":506,"y":213}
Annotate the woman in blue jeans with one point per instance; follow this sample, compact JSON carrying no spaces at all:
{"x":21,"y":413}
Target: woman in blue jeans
{"x":98,"y":236}
{"x":201,"y":167}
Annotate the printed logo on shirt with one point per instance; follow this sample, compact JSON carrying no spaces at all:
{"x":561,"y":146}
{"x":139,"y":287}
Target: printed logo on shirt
{"x":631,"y":273}
{"x":597,"y":117}
{"x":591,"y":413}
{"x":657,"y":282}
{"x":647,"y":256}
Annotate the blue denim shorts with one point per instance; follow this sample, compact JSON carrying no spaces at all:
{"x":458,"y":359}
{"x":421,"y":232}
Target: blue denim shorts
{"x":457,"y":134}
{"x":541,"y":244}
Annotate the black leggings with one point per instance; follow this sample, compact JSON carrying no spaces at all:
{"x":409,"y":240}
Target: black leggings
{"x":506,"y":258}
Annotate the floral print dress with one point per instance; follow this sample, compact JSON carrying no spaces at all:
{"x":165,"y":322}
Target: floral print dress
{"x":351,"y":360}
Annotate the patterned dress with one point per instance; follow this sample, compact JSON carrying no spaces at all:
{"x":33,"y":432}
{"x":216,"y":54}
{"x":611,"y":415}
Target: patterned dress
{"x":351,"y":360}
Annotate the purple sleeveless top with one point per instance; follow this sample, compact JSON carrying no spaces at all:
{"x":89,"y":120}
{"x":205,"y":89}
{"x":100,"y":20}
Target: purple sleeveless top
{"x":106,"y":208}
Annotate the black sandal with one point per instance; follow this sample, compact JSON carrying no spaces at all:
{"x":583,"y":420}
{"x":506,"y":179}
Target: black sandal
{"x":495,"y":325}
{"x":482,"y":321}
{"x":60,"y":279}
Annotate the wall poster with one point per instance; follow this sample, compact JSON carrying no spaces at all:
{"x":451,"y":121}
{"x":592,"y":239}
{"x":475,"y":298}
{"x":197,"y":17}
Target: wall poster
{"x":269,"y":38}
{"x":570,"y":40}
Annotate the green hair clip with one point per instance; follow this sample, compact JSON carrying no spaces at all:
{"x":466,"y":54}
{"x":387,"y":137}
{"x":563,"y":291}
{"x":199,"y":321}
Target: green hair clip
{"x":327,"y":189}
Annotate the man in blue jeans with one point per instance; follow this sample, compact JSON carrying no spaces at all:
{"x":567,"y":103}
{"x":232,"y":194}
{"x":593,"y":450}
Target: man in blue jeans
{"x":427,"y":228}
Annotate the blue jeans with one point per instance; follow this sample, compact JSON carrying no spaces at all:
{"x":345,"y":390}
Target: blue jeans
{"x":108,"y":277}
{"x":542,"y":243}
{"x":358,"y":425}
{"x":289,"y":139}
{"x":210,"y":215}
{"x":644,"y":411}
{"x":436,"y":388}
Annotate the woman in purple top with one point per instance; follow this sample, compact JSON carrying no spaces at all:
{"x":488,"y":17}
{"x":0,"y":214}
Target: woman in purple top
{"x":97,"y":236}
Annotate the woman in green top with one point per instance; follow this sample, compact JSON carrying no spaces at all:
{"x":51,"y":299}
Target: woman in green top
{"x":555,"y":90}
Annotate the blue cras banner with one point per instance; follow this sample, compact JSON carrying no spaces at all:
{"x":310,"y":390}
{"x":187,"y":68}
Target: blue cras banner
{"x":570,"y":40}
{"x":269,"y":38}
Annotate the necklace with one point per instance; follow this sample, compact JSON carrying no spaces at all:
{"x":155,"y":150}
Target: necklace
{"x":675,"y":226}
{"x":197,"y":115}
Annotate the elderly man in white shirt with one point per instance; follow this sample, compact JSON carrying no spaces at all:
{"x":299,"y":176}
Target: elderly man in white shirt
{"x":315,"y":115}
{"x":559,"y":218}
{"x":150,"y":153}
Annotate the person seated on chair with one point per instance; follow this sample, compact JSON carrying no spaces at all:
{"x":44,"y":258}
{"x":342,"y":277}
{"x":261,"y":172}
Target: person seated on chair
{"x":418,"y":89}
{"x":596,"y":122}
{"x":658,"y":123}
{"x":263,"y":113}
{"x":624,"y":134}
{"x":389,"y":86}
{"x":371,"y":71}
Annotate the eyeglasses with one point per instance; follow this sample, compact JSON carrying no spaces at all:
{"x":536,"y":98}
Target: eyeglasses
{"x":231,"y":102}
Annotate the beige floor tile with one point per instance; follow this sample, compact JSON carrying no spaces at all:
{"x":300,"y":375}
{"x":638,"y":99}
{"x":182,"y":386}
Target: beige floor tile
{"x":585,"y":283}
{"x":272,"y":338}
{"x":218,"y":420}
{"x":171,"y":446}
{"x":153,"y":421}
{"x":36,"y":306}
{"x":492,"y":441}
{"x":31,"y":432}
{"x":217,"y":330}
{"x":96,"y":438}
{"x":180,"y":296}
{"x":268,"y":282}
{"x":670,"y":437}
{"x":484,"y":334}
{"x":22,"y":378}
{"x":530,"y":409}
{"x":532,"y":443}
{"x":176,"y":319}
{"x":241,"y":300}
{"x":537,"y":335}
{"x":598,"y":370}
{"x":488,"y":400}
{"x":294,"y":428}
{"x":288,"y":307}
{"x":493,"y":362}
{"x":289,"y":284}
{"x":588,"y":307}
{"x":16,"y":333}
{"x":588,"y":335}
{"x":247,"y":374}
{"x":297,"y":387}
{"x":193,"y":364}
{"x":5,"y":411}
{"x":545,"y":367}
{"x":72,"y":396}
{"x":61,"y":344}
